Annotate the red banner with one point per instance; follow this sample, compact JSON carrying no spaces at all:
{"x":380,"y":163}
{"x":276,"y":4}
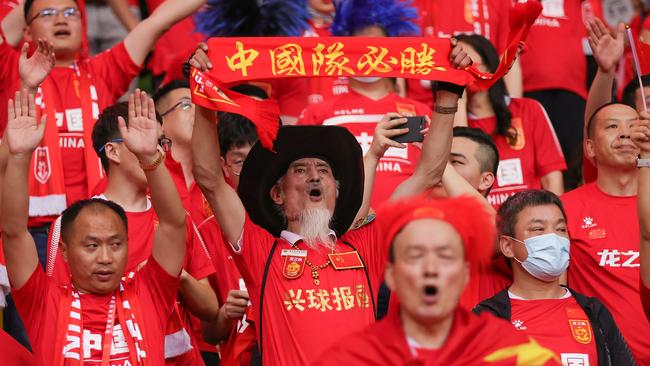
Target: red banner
{"x":253,"y":58}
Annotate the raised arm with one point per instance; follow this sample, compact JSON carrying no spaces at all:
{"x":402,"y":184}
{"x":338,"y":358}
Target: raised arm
{"x":226,"y":205}
{"x":22,"y":136}
{"x":437,"y":143}
{"x":13,"y":24}
{"x":608,"y":51}
{"x":122,"y":11}
{"x":141,"y":138}
{"x":33,"y":70}
{"x":142,"y":38}
{"x":641,"y":137}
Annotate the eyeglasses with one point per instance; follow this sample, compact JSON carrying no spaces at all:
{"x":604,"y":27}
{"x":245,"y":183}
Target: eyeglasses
{"x":164,"y":142}
{"x":184,"y":104}
{"x":51,"y":13}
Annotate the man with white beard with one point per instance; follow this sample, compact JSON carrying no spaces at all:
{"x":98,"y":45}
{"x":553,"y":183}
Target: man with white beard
{"x":310,"y":280}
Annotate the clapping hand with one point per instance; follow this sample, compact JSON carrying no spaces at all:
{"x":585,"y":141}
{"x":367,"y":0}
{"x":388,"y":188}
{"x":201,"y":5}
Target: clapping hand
{"x":35,"y":69}
{"x":142,"y":133}
{"x":23,"y":133}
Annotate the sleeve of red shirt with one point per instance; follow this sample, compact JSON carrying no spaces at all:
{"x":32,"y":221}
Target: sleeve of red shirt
{"x":367,"y":241}
{"x":548,"y":153}
{"x":198,"y":262}
{"x":255,"y":244}
{"x":116,"y":68}
{"x":153,"y":281}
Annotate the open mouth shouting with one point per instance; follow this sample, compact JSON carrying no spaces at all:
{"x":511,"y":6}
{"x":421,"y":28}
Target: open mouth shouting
{"x":315,"y":194}
{"x":430,"y":294}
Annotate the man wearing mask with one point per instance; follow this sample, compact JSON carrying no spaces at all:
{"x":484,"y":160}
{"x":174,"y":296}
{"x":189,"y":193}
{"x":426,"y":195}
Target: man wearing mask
{"x":578,"y":328}
{"x":370,"y":98}
{"x":602,"y":222}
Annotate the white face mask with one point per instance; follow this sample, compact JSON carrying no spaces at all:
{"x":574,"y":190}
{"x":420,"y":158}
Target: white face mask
{"x":366,"y":79}
{"x":548,"y":256}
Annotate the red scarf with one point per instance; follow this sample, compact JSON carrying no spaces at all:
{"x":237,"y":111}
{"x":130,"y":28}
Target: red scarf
{"x":124,"y":303}
{"x":46,"y":184}
{"x":255,"y":58}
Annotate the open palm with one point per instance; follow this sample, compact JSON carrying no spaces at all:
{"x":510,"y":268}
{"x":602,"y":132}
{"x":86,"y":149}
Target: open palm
{"x":141,"y":135}
{"x":23,"y":133}
{"x":607,"y":49}
{"x":35,"y":69}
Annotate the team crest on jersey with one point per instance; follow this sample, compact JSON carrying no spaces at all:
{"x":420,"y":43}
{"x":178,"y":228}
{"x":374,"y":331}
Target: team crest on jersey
{"x":42,"y":166}
{"x":405,"y":109}
{"x":294,"y":266}
{"x":581,"y":330}
{"x":516,"y":138}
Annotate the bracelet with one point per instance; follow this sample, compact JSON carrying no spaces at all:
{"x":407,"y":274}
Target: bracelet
{"x":147,"y":167}
{"x":444,"y":110}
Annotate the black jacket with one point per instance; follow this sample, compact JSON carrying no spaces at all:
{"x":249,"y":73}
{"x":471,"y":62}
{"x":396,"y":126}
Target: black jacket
{"x":611,"y":347}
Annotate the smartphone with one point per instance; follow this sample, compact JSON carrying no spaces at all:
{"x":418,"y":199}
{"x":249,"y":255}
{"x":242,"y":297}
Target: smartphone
{"x":415,"y":124}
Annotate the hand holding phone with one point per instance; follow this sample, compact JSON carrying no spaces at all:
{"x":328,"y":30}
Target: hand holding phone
{"x":415,"y":125}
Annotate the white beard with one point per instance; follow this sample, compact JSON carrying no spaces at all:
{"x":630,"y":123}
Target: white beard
{"x":314,"y":227}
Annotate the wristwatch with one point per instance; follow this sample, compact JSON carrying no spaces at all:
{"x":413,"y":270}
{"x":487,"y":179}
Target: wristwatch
{"x":642,"y":163}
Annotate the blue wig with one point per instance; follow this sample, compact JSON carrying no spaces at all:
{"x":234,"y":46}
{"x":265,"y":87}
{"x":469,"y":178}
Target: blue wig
{"x":395,"y":17}
{"x":252,"y":18}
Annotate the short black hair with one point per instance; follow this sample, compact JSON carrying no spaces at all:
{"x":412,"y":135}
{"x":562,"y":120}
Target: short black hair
{"x":234,"y":130}
{"x":167,"y":88}
{"x":70,"y":214}
{"x":488,"y":155}
{"x":28,"y":6}
{"x":250,"y":90}
{"x":510,"y":209}
{"x":106,"y":128}
{"x":629,"y":92}
{"x":592,"y":118}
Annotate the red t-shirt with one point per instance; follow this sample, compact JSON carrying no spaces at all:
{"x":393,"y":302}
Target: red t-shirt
{"x":645,"y":298}
{"x":193,"y":199}
{"x":536,"y":152}
{"x":543,"y":66}
{"x":38,"y":303}
{"x":558,"y":324}
{"x":111,"y":72}
{"x":445,"y":18}
{"x":360,"y":114}
{"x":605,"y":246}
{"x":302,"y":319}
{"x":490,"y":279}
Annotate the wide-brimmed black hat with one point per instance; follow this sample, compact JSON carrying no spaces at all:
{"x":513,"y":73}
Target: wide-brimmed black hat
{"x":262,"y":169}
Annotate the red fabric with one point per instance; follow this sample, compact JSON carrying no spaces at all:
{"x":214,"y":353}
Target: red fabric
{"x":444,"y":18}
{"x":643,"y":50}
{"x":360,"y":115}
{"x":471,"y":340}
{"x":38,"y":303}
{"x":110,"y":74}
{"x":490,"y":279}
{"x":193,"y":199}
{"x":558,"y":324}
{"x":302,"y":319}
{"x":605,"y":246}
{"x":645,"y":298}
{"x":236,"y":350}
{"x":543,"y":67}
{"x":13,"y":353}
{"x":536,"y":152}
{"x":6,"y":6}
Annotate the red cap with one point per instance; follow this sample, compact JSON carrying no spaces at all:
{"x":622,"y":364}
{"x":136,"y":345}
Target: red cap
{"x":475,"y":225}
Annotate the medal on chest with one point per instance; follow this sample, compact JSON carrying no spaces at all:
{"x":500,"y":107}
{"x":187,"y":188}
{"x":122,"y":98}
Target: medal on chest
{"x":294,"y":263}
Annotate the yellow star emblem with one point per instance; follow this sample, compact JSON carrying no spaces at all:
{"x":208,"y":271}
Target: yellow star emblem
{"x":527,"y":354}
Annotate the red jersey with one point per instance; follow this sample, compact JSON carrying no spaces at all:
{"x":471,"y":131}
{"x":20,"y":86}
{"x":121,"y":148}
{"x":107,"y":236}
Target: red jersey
{"x":535,"y":153}
{"x":557,"y":324}
{"x":301,"y":318}
{"x":111,"y":73}
{"x":227,"y":278}
{"x":193,"y":199}
{"x":360,"y":115}
{"x":39,"y":301}
{"x":446,"y":18}
{"x":605,"y":245}
{"x":645,"y":298}
{"x":472,"y":340}
{"x":13,"y":353}
{"x":490,"y":279}
{"x":543,"y":67}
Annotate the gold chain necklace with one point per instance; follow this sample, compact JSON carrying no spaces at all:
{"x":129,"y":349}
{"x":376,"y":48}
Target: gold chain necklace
{"x":315,"y":269}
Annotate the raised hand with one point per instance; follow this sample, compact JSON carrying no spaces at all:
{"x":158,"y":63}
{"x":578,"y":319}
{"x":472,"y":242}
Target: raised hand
{"x":384,"y":131}
{"x":607,"y":49}
{"x":200,"y":59}
{"x":141,"y":135}
{"x":458,"y":57}
{"x":23,"y":133}
{"x":35,"y":69}
{"x":640,"y":134}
